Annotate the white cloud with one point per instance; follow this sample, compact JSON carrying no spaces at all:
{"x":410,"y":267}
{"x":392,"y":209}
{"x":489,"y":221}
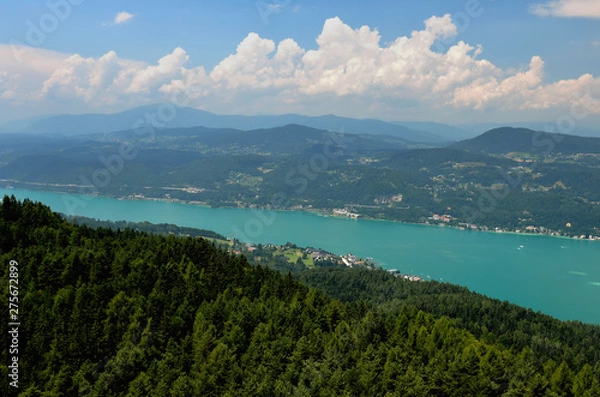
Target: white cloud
{"x":123,"y":17}
{"x":249,"y":66}
{"x":349,"y":72}
{"x":98,"y":80}
{"x":24,"y":69}
{"x":120,"y":19}
{"x":151,"y":77}
{"x":568,"y":8}
{"x":488,"y":91}
{"x":525,"y":91}
{"x":21,"y":58}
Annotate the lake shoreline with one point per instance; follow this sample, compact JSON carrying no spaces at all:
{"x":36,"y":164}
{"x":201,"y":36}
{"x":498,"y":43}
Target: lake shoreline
{"x":329,"y":213}
{"x":320,"y":212}
{"x":503,"y":267}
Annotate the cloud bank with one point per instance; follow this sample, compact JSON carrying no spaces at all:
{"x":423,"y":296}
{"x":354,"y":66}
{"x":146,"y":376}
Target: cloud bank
{"x":568,"y":9}
{"x":349,"y":72}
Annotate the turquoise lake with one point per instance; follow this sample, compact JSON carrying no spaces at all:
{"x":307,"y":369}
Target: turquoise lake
{"x":556,"y":276}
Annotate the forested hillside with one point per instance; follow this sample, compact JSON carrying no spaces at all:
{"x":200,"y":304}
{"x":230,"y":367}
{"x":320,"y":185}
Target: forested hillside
{"x":507,"y":139}
{"x":114,"y":313}
{"x":507,"y":179}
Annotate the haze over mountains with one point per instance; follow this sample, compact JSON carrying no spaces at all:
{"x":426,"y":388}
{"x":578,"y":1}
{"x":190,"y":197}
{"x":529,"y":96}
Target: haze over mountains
{"x":411,"y":131}
{"x":71,"y":125}
{"x":522,"y":140}
{"x":378,"y":176}
{"x":374,"y":168}
{"x":474,"y":129}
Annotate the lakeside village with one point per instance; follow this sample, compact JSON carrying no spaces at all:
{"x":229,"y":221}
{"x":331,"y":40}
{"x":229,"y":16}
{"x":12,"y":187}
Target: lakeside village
{"x":446,"y":220}
{"x":290,"y":255}
{"x":436,"y":220}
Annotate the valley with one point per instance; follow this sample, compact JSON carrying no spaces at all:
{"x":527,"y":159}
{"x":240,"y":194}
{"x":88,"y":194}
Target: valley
{"x":493,"y":182}
{"x":300,"y":198}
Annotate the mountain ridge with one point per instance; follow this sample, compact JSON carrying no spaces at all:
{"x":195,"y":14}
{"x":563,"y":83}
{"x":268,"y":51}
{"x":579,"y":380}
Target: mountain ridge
{"x":506,"y":140}
{"x":150,"y":115}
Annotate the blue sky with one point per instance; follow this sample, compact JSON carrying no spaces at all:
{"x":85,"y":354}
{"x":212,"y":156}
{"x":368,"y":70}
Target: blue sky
{"x":445,"y":60}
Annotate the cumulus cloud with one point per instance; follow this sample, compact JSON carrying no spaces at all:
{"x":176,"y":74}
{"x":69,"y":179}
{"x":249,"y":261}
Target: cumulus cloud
{"x":568,"y":8}
{"x":16,"y":58}
{"x":249,"y":66}
{"x":123,"y":17}
{"x":487,"y":91}
{"x":151,"y":77}
{"x":120,"y":19}
{"x":525,"y":91}
{"x":348,"y":72}
{"x":23,"y":70}
{"x":99,"y":80}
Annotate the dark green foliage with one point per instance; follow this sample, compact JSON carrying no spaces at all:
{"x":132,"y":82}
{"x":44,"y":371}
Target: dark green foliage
{"x":161,"y":228}
{"x":489,"y":319}
{"x":112,"y":313}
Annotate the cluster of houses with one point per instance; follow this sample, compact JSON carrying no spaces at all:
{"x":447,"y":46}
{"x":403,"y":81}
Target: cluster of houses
{"x":408,"y":277}
{"x":135,"y":196}
{"x":440,"y":218}
{"x":590,"y":237}
{"x":319,"y":255}
{"x":345,"y":212}
{"x":388,"y":200}
{"x":351,"y":260}
{"x":248,"y":247}
{"x":526,"y":230}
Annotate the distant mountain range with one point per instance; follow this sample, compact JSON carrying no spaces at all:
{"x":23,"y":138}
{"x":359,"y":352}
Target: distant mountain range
{"x":72,"y":125}
{"x":289,"y":139}
{"x":379,"y":176}
{"x":522,"y":140}
{"x":59,"y":158}
{"x":438,"y":134}
{"x":448,"y":132}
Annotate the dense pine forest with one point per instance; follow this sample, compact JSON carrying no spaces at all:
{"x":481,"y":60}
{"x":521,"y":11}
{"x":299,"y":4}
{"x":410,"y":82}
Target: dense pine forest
{"x":107,"y":312}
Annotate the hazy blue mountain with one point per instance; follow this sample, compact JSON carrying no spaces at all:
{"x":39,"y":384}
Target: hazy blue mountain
{"x":285,"y":140}
{"x":58,"y":158}
{"x":20,"y":124}
{"x":508,"y":139}
{"x":71,"y":125}
{"x":83,"y":124}
{"x":445,"y":131}
{"x":473,"y":130}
